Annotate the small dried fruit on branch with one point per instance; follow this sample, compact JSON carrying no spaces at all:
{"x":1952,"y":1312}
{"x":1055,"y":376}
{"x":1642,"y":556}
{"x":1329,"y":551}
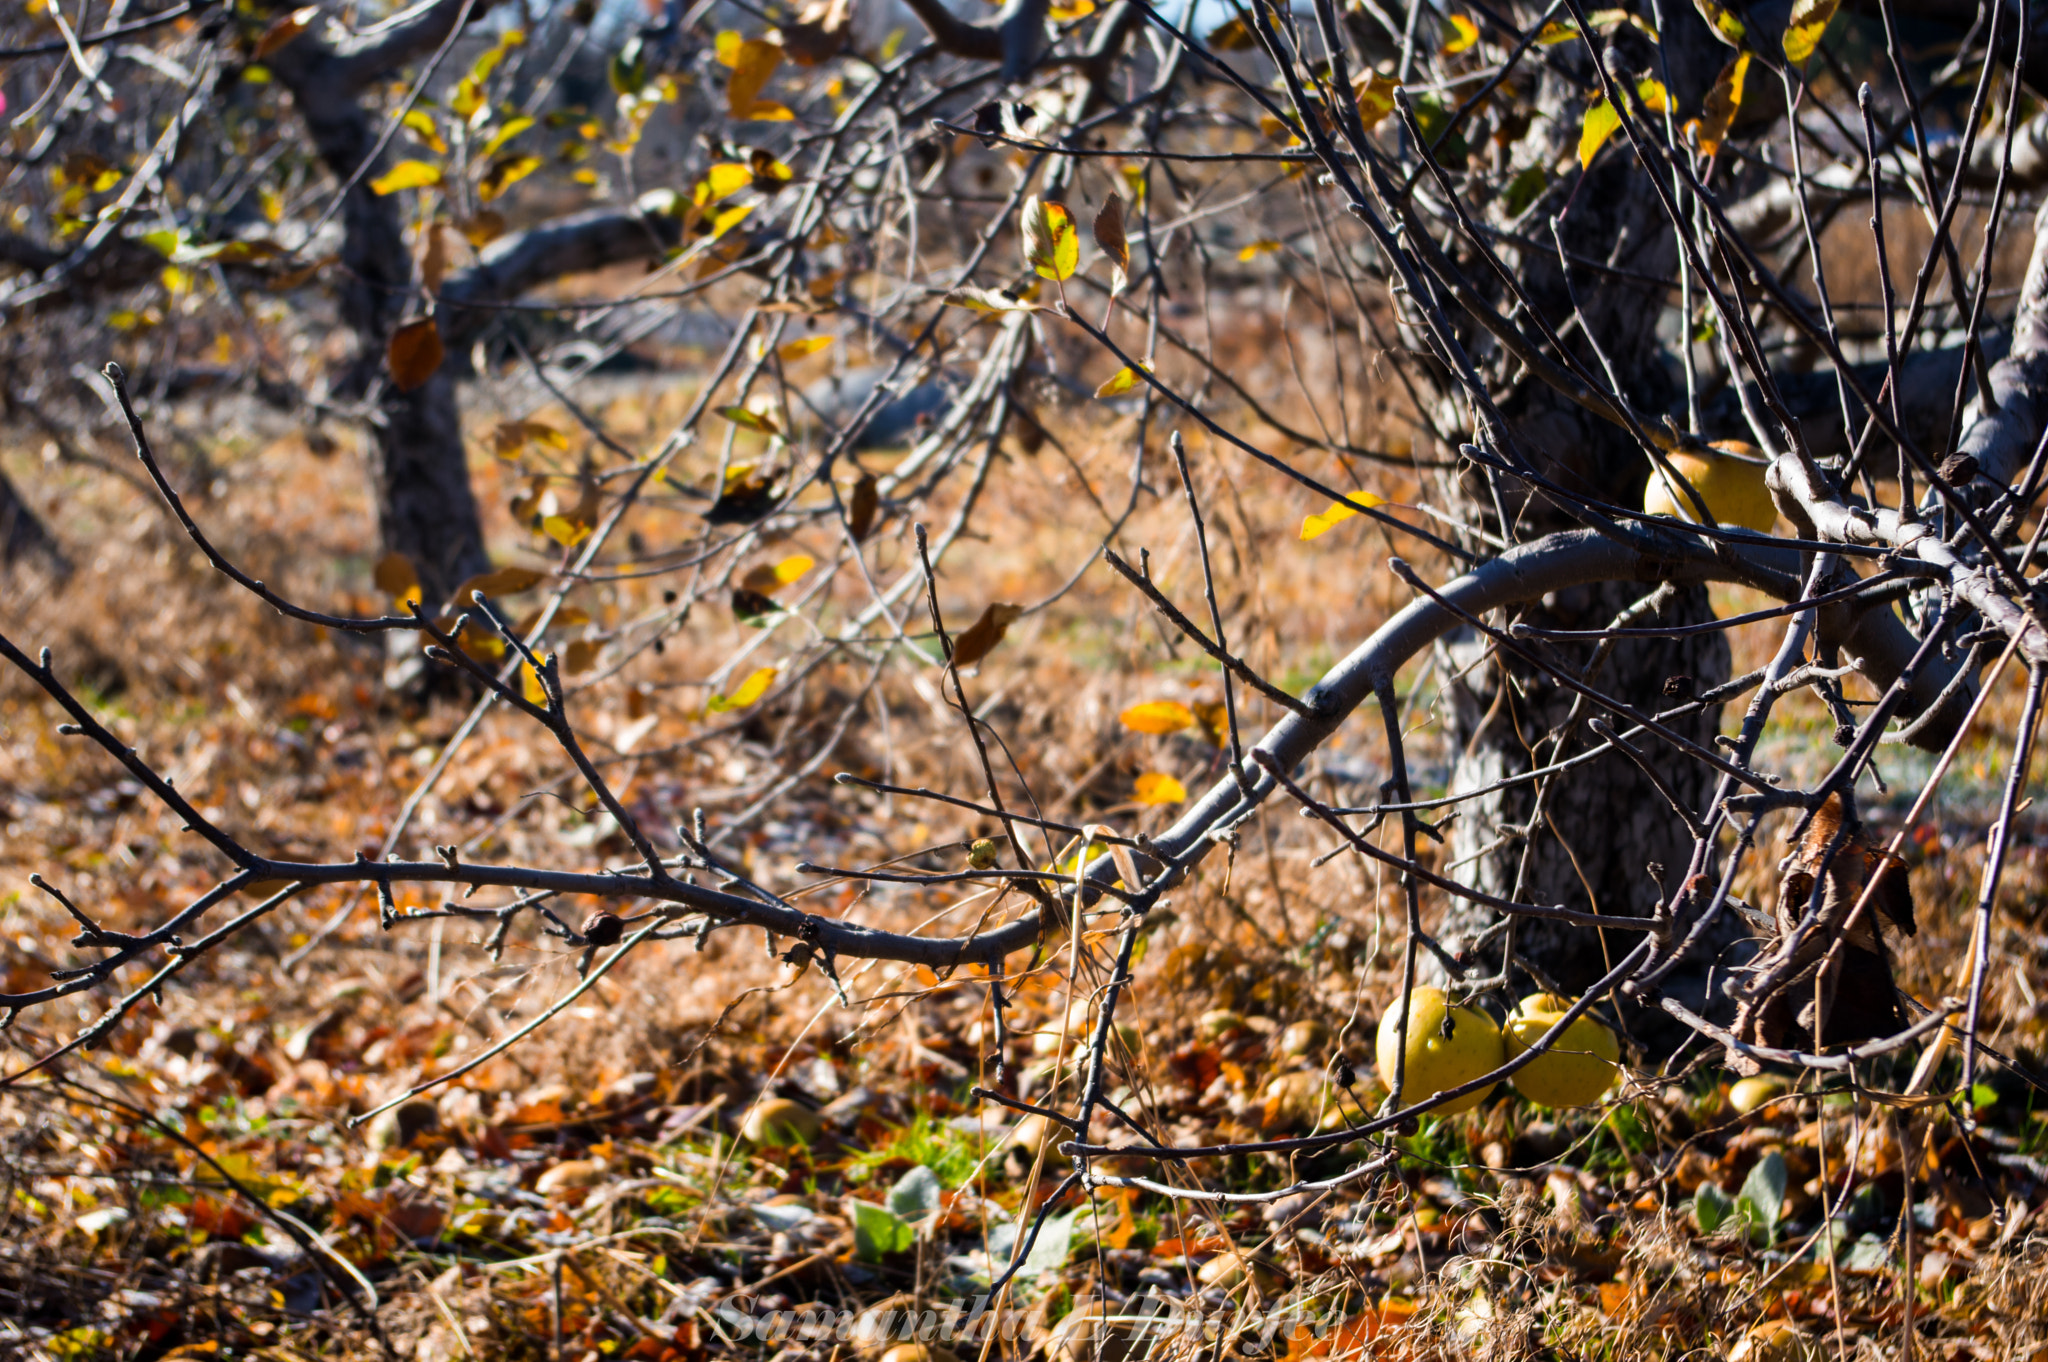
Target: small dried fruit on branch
{"x":603,"y":928}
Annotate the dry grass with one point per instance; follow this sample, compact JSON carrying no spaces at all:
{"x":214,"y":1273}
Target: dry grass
{"x":1506,"y":1235}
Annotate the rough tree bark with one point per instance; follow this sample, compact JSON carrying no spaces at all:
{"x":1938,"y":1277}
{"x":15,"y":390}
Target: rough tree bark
{"x":425,"y":508}
{"x":1591,"y":839}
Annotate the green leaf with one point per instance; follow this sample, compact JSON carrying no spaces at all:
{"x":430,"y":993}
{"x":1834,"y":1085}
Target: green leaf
{"x":1523,"y":189}
{"x":916,"y":1194}
{"x":878,"y":1231}
{"x":1711,"y":1208}
{"x":1762,"y":1198}
{"x":1055,"y":1242}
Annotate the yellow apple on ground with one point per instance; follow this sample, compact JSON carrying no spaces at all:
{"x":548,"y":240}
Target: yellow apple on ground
{"x":1578,"y":1068}
{"x":1447,"y":1047}
{"x":1732,"y":486}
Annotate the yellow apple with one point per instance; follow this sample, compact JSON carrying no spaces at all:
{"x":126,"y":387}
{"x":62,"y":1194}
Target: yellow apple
{"x":1732,"y":486}
{"x":1447,"y":1047}
{"x":1578,"y":1068}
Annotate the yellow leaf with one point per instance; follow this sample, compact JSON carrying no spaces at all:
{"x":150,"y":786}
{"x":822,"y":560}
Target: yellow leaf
{"x":1257,"y":249}
{"x":1718,"y":110}
{"x":728,"y":218}
{"x":529,"y":682}
{"x":1809,"y":20}
{"x":768,"y":111}
{"x":988,"y":300}
{"x":1156,"y":787}
{"x":728,"y":48}
{"x":753,"y":62}
{"x":1122,"y":381}
{"x":504,"y":173}
{"x":1726,"y":26}
{"x":1554,"y":33}
{"x":1232,"y":36}
{"x":509,"y":437}
{"x":793,"y":567}
{"x":751,"y":689}
{"x":797,"y":349}
{"x":1655,"y":99}
{"x":1461,"y":33}
{"x":1066,"y":10}
{"x":564,"y":531}
{"x":1375,"y":98}
{"x":406,"y":175}
{"x":752,"y":420}
{"x":1052,"y":245}
{"x":1601,"y":121}
{"x":505,"y":134}
{"x":422,"y":125}
{"x":727,"y":177}
{"x":1157,"y":717}
{"x":467,"y":99}
{"x":1338,"y":512}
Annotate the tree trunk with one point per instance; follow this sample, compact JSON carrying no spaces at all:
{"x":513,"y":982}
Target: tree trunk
{"x":1602,"y":832}
{"x":23,"y":534}
{"x":420,"y":471}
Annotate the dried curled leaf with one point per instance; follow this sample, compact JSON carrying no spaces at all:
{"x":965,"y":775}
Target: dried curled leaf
{"x":1157,"y":717}
{"x":1338,"y":512}
{"x":983,"y":635}
{"x":414,"y":353}
{"x":1109,"y":235}
{"x":862,"y":504}
{"x":282,"y":31}
{"x":396,"y":577}
{"x":506,"y":581}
